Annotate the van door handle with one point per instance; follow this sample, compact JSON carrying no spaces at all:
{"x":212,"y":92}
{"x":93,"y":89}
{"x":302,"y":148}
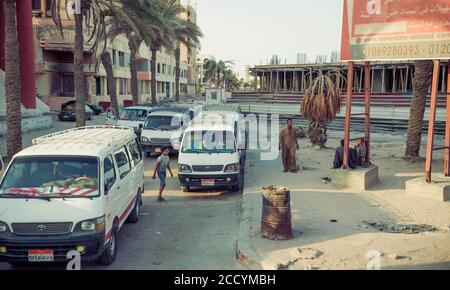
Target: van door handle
{"x":118,"y":187}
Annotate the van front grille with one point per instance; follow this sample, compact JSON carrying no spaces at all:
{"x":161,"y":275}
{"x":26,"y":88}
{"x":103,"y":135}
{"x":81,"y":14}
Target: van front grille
{"x":207,"y":168}
{"x":38,"y":229}
{"x":159,"y":141}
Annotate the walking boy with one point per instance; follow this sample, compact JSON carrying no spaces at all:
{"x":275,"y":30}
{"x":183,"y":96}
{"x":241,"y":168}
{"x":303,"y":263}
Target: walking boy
{"x":162,"y":166}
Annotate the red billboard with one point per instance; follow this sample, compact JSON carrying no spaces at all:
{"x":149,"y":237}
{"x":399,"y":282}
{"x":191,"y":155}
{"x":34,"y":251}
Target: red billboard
{"x":396,"y":30}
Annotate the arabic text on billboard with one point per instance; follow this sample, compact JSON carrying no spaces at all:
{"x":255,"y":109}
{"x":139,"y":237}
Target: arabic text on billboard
{"x":396,"y":29}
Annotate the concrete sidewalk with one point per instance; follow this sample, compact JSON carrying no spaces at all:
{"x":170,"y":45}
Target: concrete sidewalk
{"x":340,"y":228}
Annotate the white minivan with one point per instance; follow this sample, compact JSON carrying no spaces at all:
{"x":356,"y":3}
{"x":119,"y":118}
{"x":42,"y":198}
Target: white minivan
{"x":132,"y":117}
{"x":164,"y":127}
{"x":71,"y":191}
{"x":213,"y":152}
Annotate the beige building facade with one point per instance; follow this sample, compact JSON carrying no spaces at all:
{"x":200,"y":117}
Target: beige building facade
{"x":54,"y":65}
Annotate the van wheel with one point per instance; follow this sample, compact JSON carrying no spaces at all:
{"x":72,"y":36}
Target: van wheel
{"x":109,"y":254}
{"x":136,"y":212}
{"x":148,"y":154}
{"x":235,"y":188}
{"x":185,"y":189}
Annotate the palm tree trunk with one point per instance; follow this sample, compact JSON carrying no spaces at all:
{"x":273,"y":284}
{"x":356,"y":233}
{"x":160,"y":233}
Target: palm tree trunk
{"x":107,"y":64}
{"x":177,"y":72}
{"x":79,"y":72}
{"x":133,"y":72}
{"x":12,"y":81}
{"x":421,"y":84}
{"x":153,"y":71}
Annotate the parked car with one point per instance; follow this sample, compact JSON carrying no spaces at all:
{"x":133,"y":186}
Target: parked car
{"x":213,"y":151}
{"x":71,"y":191}
{"x":68,"y":112}
{"x":96,"y":109}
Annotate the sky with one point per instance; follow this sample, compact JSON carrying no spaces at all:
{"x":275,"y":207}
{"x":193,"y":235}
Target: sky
{"x":251,"y":31}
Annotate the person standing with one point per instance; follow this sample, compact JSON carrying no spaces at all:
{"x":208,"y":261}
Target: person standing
{"x":361,"y":151}
{"x":289,"y":146}
{"x":162,"y":165}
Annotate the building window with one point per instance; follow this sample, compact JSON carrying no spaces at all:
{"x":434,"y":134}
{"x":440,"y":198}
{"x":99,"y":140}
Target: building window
{"x":48,"y":5}
{"x":99,"y":86}
{"x":159,"y":68}
{"x":121,"y":59}
{"x":114,"y":60}
{"x":67,"y":85}
{"x":122,"y":86}
{"x":36,"y":4}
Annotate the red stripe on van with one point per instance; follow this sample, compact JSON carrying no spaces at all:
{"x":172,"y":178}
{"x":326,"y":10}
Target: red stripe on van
{"x":108,"y":235}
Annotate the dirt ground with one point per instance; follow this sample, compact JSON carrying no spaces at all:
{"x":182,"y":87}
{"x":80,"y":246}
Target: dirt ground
{"x":339,"y":228}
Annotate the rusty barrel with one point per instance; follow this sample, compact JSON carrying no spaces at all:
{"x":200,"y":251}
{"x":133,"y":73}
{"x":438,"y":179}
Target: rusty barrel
{"x":276,"y":214}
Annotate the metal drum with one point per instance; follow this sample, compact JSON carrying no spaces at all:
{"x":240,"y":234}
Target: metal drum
{"x":276,"y":214}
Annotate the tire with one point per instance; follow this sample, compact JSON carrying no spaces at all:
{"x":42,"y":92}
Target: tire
{"x":109,"y":254}
{"x":235,"y":188}
{"x":134,"y":216}
{"x":148,"y":154}
{"x":185,"y":189}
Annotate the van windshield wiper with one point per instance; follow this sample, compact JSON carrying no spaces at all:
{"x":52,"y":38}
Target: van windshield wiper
{"x":24,"y":196}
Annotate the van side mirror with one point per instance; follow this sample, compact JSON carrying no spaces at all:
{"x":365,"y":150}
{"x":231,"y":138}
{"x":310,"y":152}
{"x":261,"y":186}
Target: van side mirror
{"x":141,"y":126}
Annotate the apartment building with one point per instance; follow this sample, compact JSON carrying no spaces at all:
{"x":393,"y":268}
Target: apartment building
{"x":54,"y":65}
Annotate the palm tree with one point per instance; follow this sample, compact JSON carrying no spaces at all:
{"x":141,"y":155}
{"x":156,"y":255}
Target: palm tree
{"x":321,"y":103}
{"x":93,"y":12}
{"x":231,"y":82}
{"x":164,"y":35}
{"x":12,"y":81}
{"x":215,"y":71}
{"x":107,"y":64}
{"x":421,"y":84}
{"x":138,"y":23}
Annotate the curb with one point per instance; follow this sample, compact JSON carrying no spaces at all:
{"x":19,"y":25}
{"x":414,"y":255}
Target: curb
{"x":244,"y":250}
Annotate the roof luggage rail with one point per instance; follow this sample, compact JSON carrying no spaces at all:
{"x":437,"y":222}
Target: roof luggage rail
{"x":86,"y":135}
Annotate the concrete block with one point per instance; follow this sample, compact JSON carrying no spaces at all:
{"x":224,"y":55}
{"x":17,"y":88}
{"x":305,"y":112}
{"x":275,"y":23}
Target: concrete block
{"x":361,"y":178}
{"x":438,"y":190}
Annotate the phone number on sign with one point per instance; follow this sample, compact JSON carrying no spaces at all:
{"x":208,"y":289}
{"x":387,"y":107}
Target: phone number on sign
{"x":406,"y":50}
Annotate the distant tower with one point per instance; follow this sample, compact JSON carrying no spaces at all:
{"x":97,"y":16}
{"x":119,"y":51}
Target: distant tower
{"x":335,"y":57}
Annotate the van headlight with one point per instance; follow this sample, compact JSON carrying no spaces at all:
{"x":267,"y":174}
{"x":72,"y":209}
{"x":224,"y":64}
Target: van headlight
{"x":97,"y":225}
{"x":3,"y":227}
{"x":183,"y":168}
{"x":232,"y":168}
{"x":145,"y":139}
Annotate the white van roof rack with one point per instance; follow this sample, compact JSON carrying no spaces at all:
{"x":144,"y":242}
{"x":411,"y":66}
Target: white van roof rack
{"x":88,"y":134}
{"x":170,"y":108}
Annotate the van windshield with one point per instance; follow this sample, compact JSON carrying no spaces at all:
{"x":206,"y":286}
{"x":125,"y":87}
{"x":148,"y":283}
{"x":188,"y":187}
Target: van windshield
{"x":164,"y":123}
{"x":207,"y":142}
{"x":51,"y":177}
{"x":133,"y":115}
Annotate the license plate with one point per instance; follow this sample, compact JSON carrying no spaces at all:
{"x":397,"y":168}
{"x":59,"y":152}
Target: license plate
{"x":41,"y":256}
{"x":208,"y":182}
{"x":158,"y":150}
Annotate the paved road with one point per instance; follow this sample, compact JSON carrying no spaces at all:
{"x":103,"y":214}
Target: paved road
{"x":191,"y":231}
